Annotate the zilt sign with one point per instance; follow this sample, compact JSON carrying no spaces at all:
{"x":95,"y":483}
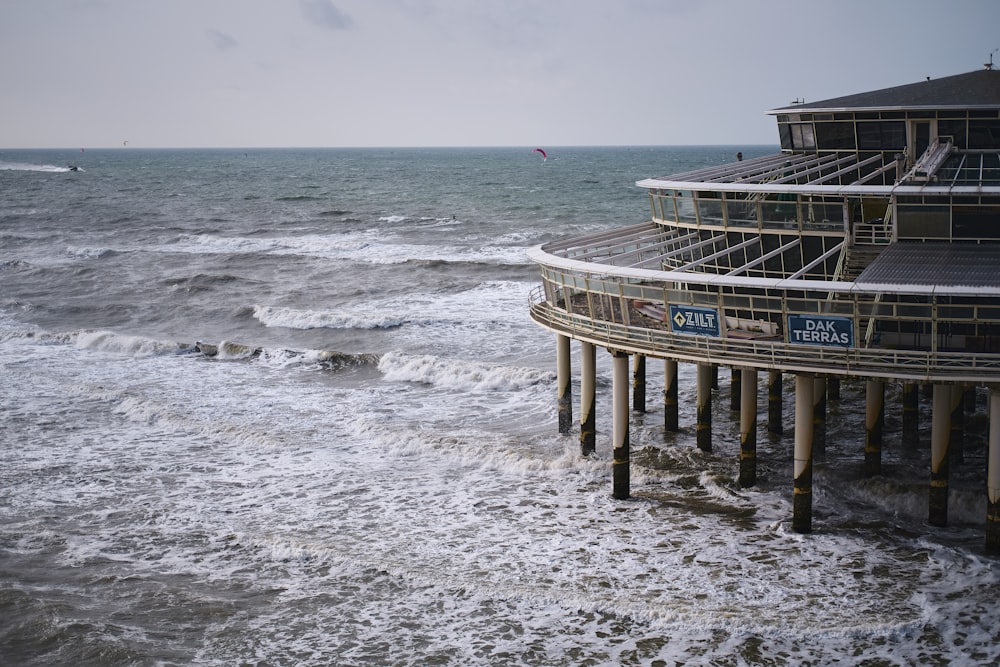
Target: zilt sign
{"x":820,"y":330}
{"x":694,"y":320}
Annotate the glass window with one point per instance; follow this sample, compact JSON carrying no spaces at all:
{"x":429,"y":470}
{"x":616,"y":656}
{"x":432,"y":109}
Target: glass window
{"x":984,"y":134}
{"x":835,"y":135}
{"x":710,"y":208}
{"x":802,"y":136}
{"x":955,"y":129}
{"x":685,"y":207}
{"x":741,"y":212}
{"x":785,"y":135}
{"x":882,"y":135}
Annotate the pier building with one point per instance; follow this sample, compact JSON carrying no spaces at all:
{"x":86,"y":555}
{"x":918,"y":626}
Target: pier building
{"x":868,"y":247}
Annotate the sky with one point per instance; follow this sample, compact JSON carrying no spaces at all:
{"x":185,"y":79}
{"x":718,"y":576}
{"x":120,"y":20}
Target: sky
{"x":330,"y":73}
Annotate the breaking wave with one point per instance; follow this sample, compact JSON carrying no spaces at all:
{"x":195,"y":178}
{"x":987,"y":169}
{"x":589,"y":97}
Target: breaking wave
{"x":459,"y":374}
{"x":271,"y":316}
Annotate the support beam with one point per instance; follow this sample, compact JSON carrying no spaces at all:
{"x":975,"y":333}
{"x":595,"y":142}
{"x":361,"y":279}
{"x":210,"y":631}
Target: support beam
{"x":703,"y":432}
{"x":588,"y":398}
{"x":639,"y":384}
{"x":774,"y":397}
{"x":940,"y":435}
{"x":802,"y":498}
{"x":670,"y":421}
{"x":620,"y":421}
{"x":874,"y":426}
{"x":564,"y":380}
{"x":993,"y":475}
{"x":748,"y":427}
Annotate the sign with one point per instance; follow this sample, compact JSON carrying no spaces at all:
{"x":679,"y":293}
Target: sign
{"x":694,"y":320}
{"x":820,"y":330}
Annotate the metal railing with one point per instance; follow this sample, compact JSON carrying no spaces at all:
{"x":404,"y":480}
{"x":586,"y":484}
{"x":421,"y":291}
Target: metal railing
{"x":913,"y":365}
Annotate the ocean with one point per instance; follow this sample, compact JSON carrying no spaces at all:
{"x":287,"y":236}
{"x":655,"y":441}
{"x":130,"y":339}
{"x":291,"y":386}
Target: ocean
{"x":287,"y":407}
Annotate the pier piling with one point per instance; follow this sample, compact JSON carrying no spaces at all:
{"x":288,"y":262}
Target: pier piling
{"x":639,"y":384}
{"x":564,"y":379}
{"x":620,"y":480}
{"x":819,"y":414}
{"x":802,"y":492}
{"x":956,"y":441}
{"x":735,"y":394}
{"x":670,"y":419}
{"x":874,"y":426}
{"x":911,"y":414}
{"x":993,"y":475}
{"x":940,"y":435}
{"x":774,"y":407}
{"x":706,"y":373}
{"x":748,"y":427}
{"x":588,"y":398}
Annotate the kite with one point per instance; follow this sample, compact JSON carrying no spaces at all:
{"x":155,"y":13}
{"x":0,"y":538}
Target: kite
{"x":539,"y":150}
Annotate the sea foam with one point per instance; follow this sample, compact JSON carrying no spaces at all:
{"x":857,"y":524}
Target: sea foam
{"x":457,"y":373}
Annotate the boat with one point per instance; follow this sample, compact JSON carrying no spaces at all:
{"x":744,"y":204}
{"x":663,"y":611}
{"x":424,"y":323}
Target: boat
{"x":865,"y":248}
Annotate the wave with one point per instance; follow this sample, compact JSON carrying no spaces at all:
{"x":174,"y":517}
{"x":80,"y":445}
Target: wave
{"x":490,"y":304}
{"x":283,"y":358}
{"x":271,"y":316}
{"x":88,"y":253}
{"x":364,"y":247}
{"x":135,"y":346}
{"x":459,"y":374}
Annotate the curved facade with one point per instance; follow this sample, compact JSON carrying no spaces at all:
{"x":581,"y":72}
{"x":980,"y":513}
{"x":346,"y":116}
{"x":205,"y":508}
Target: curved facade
{"x":867,"y":247}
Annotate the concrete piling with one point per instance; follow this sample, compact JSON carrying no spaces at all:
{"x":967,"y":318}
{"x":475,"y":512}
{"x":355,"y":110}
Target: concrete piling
{"x":774,"y":398}
{"x":804,"y":428}
{"x":564,"y":380}
{"x":748,"y":427}
{"x":706,"y":373}
{"x":670,"y":418}
{"x":639,"y":384}
{"x":874,"y":425}
{"x":588,"y":398}
{"x":993,"y":475}
{"x":620,"y":480}
{"x":940,"y":435}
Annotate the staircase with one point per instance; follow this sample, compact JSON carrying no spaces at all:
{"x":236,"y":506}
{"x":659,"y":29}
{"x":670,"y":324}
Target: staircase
{"x":858,"y":259}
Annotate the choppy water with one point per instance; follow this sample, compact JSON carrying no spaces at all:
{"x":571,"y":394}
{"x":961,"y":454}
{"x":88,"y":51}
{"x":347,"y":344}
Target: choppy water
{"x":368,"y":470}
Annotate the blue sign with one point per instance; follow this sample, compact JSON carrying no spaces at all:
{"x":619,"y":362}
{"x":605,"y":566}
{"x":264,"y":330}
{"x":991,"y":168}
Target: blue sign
{"x":821,"y":330}
{"x":694,"y":320}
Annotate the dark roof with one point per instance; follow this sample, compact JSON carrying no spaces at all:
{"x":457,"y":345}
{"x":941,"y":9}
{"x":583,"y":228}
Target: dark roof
{"x":934,"y":263}
{"x":979,"y":89}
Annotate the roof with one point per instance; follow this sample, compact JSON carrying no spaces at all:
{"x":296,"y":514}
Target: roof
{"x":835,"y":172}
{"x":974,"y":90}
{"x":938,"y":264}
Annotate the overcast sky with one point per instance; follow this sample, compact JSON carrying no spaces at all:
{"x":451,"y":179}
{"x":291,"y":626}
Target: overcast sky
{"x":254,"y":73}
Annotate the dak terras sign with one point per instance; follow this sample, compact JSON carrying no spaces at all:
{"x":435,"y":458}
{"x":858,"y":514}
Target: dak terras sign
{"x":821,"y":330}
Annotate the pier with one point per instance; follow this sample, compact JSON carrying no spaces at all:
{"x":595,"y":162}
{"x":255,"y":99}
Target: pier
{"x":866,"y":249}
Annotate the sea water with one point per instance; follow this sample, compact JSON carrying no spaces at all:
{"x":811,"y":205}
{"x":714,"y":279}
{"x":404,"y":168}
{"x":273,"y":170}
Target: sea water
{"x":287,"y":407}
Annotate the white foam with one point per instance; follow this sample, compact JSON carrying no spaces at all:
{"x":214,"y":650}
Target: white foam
{"x":458,"y":374}
{"x":21,"y":166}
{"x":351,"y":317}
{"x":367,"y":246}
{"x":122,"y":344}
